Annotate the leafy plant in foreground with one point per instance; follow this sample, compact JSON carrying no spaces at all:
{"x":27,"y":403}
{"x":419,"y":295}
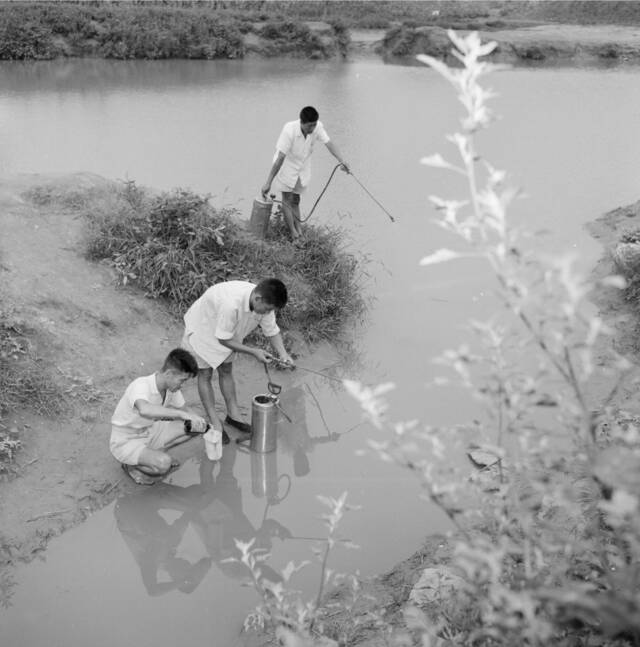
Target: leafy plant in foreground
{"x":283,"y":610}
{"x":547,"y":548}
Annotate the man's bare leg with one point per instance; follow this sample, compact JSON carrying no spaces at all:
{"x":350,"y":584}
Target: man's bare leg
{"x":291,"y":211}
{"x":205,"y":390}
{"x":228,"y":389}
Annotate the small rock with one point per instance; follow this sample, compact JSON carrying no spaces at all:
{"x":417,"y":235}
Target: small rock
{"x":437,"y":584}
{"x":14,"y":432}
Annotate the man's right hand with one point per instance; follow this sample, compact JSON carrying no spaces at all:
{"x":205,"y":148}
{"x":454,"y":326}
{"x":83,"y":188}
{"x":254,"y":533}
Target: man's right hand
{"x":263,"y":356}
{"x":198,"y":424}
{"x":265,"y":190}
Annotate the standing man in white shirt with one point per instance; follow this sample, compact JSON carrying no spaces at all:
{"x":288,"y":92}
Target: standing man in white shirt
{"x":214,"y":330}
{"x":291,"y":166}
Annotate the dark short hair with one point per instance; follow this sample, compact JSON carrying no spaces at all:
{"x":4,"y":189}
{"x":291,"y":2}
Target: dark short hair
{"x":181,"y":360}
{"x":308,"y":115}
{"x":273,"y":292}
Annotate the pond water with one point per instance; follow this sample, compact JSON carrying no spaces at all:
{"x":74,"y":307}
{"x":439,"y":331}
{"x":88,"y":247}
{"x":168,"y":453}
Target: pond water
{"x":149,"y":569}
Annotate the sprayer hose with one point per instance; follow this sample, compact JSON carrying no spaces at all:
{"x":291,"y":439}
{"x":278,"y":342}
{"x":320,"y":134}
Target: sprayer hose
{"x":326,"y":186}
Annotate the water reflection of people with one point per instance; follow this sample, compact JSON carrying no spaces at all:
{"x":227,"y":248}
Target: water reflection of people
{"x":294,"y":434}
{"x":220,"y":520}
{"x":154,"y":542}
{"x":214,"y":509}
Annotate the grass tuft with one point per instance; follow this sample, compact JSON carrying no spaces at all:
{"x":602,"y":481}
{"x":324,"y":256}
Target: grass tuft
{"x":29,"y":383}
{"x":22,"y":379}
{"x":176,"y":245}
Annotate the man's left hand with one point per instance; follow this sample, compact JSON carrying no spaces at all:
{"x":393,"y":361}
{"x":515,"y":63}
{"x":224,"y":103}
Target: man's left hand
{"x":287,"y":361}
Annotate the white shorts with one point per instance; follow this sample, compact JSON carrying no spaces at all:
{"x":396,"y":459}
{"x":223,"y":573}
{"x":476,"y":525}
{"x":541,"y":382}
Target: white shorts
{"x":208,"y":355}
{"x":126,"y":444}
{"x":278,"y":185}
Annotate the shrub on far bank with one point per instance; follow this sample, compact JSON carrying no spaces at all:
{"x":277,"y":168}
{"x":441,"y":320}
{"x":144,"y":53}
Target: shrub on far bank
{"x":289,"y":37}
{"x":46,"y":31}
{"x":407,"y":40}
{"x":176,"y":245}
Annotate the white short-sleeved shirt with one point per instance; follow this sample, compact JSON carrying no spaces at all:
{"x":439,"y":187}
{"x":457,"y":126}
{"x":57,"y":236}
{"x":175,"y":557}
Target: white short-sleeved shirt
{"x":297,"y":150}
{"x":223,"y":312}
{"x":143,"y":388}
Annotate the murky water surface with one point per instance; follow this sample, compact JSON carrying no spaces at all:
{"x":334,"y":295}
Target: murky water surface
{"x":150,"y":569}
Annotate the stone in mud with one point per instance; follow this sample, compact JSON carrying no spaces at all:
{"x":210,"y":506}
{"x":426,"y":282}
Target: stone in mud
{"x":626,"y":257}
{"x":437,"y":584}
{"x":288,"y":638}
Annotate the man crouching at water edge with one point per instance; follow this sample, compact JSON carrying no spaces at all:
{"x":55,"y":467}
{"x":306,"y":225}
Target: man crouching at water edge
{"x":149,"y":419}
{"x":215,"y":327}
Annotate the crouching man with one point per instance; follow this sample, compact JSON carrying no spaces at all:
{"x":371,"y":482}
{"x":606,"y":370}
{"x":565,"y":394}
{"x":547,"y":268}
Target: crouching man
{"x":150,"y":417}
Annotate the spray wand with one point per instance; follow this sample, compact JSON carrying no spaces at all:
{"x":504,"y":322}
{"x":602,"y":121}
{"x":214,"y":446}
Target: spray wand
{"x":326,"y":186}
{"x":282,"y":364}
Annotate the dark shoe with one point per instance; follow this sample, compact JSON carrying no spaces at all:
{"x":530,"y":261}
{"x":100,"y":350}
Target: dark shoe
{"x":238,"y":425}
{"x":225,"y":438}
{"x":138,"y":476}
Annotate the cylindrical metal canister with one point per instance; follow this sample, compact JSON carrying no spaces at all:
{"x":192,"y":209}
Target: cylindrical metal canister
{"x":264,"y":475}
{"x":260,"y":214}
{"x":263,"y":424}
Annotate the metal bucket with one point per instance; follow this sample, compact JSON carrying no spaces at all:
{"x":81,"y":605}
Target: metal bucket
{"x":264,"y":414}
{"x":260,"y":214}
{"x":264,"y":475}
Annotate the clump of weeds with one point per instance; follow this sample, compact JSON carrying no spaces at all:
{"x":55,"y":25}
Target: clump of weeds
{"x":23,"y":380}
{"x":7,"y":585}
{"x":176,"y":245}
{"x":27,"y":382}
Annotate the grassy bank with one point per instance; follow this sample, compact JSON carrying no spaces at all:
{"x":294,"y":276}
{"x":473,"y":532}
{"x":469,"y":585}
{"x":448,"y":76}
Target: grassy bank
{"x":175,"y":245}
{"x":216,"y":29}
{"x":48,"y":30}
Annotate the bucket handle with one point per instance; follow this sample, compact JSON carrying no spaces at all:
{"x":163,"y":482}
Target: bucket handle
{"x":286,"y":494}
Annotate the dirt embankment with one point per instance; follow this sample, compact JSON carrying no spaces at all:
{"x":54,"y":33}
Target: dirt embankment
{"x":551,"y":44}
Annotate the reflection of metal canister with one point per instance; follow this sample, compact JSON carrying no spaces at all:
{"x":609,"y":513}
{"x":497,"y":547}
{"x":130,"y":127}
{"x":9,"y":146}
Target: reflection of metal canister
{"x":264,"y":435}
{"x":264,"y":474}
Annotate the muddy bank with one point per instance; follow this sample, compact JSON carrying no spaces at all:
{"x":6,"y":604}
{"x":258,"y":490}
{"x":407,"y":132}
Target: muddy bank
{"x":552,"y":44}
{"x":619,"y":313}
